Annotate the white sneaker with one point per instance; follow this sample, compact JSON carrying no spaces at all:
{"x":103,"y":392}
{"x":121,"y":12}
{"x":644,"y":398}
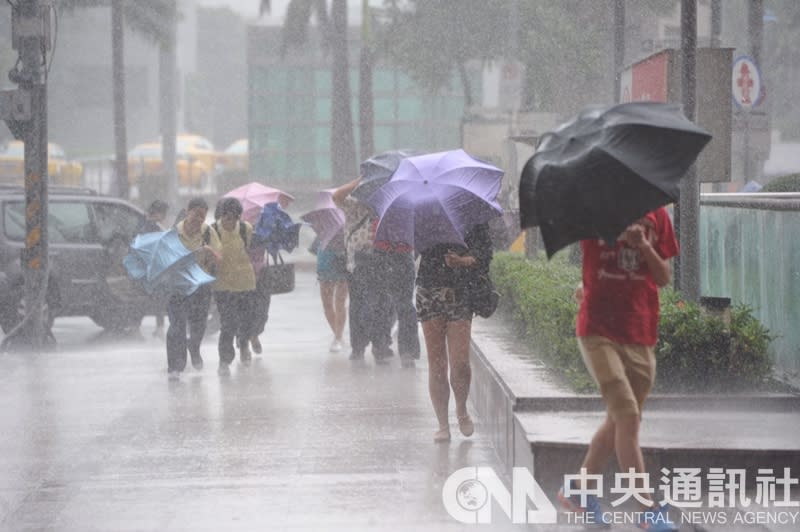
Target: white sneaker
{"x":336,"y":346}
{"x":174,"y":375}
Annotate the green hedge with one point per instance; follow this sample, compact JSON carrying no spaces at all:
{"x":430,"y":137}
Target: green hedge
{"x":694,"y":352}
{"x":787,"y":183}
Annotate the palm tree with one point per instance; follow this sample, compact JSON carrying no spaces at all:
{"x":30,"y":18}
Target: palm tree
{"x":295,"y":32}
{"x":151,"y":18}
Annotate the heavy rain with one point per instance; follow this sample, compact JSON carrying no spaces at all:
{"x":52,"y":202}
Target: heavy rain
{"x":405,"y":265}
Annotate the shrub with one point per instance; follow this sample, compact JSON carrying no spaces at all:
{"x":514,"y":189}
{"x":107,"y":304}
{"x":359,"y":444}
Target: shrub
{"x":787,"y":183}
{"x":695,"y":351}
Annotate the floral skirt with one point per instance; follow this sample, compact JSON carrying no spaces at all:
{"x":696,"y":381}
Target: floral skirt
{"x":447,"y":303}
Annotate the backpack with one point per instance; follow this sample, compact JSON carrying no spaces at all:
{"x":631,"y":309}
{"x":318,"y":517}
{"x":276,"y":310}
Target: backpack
{"x":207,"y":233}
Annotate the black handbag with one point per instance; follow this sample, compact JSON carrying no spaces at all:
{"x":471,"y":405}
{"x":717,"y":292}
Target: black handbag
{"x":278,"y":277}
{"x":482,"y":297}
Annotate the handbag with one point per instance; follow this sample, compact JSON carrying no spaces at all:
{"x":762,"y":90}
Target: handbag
{"x":278,"y":277}
{"x":482,"y":297}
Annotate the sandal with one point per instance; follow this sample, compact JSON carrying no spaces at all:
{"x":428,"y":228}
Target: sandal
{"x":465,"y":425}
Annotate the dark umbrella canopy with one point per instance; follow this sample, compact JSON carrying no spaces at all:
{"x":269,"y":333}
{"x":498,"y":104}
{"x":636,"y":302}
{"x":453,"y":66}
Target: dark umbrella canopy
{"x":377,"y":170}
{"x":275,"y":230}
{"x":595,"y":175}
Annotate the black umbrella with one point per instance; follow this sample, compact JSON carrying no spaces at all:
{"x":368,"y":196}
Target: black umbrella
{"x":595,"y":175}
{"x":377,"y":170}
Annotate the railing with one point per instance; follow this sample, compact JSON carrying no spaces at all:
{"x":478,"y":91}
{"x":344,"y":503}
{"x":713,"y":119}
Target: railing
{"x":750,"y":252}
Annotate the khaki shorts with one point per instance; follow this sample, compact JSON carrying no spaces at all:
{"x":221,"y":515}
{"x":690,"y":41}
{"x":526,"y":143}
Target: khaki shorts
{"x":624,"y":372}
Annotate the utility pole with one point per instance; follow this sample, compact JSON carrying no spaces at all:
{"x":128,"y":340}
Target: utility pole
{"x":619,"y":46}
{"x":687,"y":212}
{"x":755,"y":35}
{"x":168,"y":73}
{"x":25,"y":112}
{"x":716,"y":23}
{"x":118,"y":64}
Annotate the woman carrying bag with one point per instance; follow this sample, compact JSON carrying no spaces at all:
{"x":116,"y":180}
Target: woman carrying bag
{"x":446,"y":274}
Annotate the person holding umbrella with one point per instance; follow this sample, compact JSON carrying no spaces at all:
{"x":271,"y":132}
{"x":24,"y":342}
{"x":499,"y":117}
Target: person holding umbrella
{"x":156,"y":213}
{"x":443,"y":280}
{"x":362,"y":268}
{"x":235,"y":288}
{"x":191,"y":311}
{"x":617,"y":332}
{"x":328,"y":221}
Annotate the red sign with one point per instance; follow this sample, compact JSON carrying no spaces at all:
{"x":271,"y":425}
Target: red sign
{"x":649,"y":79}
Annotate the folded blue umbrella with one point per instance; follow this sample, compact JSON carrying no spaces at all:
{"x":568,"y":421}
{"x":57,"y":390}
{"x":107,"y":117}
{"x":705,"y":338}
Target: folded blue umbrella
{"x":275,"y":230}
{"x":160,"y":262}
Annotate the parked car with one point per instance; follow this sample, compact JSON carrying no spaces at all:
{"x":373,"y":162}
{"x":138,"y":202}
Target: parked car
{"x":236,"y":157}
{"x":146,"y":160}
{"x":61,"y":170}
{"x":88,"y":235}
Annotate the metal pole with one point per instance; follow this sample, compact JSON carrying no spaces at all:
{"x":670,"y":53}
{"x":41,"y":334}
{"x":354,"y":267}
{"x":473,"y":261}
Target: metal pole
{"x":688,"y":221}
{"x":716,"y":23}
{"x":619,"y":46}
{"x":755,"y":34}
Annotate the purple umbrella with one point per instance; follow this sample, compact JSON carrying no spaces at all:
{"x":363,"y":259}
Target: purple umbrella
{"x":326,"y":219}
{"x":435,"y":198}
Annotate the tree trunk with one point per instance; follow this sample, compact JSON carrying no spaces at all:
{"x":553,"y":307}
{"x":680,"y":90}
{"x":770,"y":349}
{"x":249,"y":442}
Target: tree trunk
{"x":343,"y":150}
{"x":168,"y":114}
{"x":118,"y":83}
{"x":366,"y":114}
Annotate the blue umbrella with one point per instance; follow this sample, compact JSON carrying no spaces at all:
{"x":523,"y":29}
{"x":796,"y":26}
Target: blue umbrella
{"x":275,"y":230}
{"x":161,"y":262}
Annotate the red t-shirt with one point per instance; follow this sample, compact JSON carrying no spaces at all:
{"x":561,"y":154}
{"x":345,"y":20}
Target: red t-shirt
{"x":620,"y":297}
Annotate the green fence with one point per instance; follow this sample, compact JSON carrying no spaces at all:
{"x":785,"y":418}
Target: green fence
{"x":750,"y":252}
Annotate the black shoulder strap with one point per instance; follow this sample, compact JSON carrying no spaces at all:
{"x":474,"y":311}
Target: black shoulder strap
{"x":207,"y":236}
{"x":243,"y":232}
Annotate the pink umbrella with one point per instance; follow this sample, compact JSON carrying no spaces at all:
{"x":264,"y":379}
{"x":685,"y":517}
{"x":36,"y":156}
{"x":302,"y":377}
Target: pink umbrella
{"x":254,"y":196}
{"x":326,"y":219}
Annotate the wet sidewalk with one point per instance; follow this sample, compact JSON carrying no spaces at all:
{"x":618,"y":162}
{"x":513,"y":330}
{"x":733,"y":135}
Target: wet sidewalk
{"x":94,"y":437}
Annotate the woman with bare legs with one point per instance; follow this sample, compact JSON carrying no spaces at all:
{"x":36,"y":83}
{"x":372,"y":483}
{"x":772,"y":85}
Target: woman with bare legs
{"x":333,"y":287}
{"x":443,"y":283}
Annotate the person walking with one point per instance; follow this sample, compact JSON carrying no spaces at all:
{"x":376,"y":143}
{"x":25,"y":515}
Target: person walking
{"x":263,"y":297}
{"x":154,"y":217}
{"x":394,"y":297}
{"x":617,"y":330}
{"x":191,"y":311}
{"x":443,"y":282}
{"x":235,"y":287}
{"x":333,"y":286}
{"x":363,"y":274}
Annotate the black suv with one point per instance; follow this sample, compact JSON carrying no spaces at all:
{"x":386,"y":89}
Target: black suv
{"x":88,"y":236}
